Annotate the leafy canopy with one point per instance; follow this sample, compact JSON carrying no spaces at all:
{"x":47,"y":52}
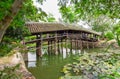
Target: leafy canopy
{"x":28,"y":12}
{"x":16,"y":31}
{"x":86,"y":9}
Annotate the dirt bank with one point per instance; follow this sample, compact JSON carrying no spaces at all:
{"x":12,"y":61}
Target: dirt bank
{"x":104,"y":43}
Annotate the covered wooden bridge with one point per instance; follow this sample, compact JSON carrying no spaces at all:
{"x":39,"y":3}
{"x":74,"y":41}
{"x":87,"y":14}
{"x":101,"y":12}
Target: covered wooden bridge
{"x":55,"y":34}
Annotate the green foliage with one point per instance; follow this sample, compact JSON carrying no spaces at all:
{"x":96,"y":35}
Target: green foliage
{"x":102,"y":23}
{"x":10,"y":73}
{"x":17,"y":29}
{"x":113,"y":75}
{"x":100,"y":14}
{"x":116,"y":32}
{"x":68,"y":14}
{"x":109,"y":35}
{"x":6,"y":46}
{"x":48,"y":18}
{"x":40,"y":1}
{"x":9,"y":44}
{"x":86,"y":9}
{"x":94,"y":66}
{"x":28,"y":12}
{"x":4,"y":7}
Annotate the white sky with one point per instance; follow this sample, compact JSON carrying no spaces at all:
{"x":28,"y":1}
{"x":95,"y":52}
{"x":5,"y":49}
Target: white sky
{"x":50,"y":6}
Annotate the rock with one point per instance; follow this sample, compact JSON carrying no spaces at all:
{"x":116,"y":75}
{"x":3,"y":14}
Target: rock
{"x":13,"y":60}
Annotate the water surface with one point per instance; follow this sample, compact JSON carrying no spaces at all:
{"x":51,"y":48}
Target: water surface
{"x":48,"y":67}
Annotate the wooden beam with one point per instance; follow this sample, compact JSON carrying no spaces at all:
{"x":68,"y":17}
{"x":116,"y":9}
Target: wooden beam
{"x":46,"y":39}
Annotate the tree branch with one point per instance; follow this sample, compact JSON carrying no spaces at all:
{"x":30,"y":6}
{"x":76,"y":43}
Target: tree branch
{"x":9,"y":17}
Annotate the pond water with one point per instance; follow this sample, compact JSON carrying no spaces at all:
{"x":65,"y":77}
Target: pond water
{"x":49,"y":67}
{"x":94,"y":64}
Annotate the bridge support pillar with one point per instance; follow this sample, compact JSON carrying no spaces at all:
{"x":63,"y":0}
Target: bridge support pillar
{"x":75,"y":45}
{"x":49,"y":47}
{"x":58,"y":46}
{"x":87,"y":44}
{"x":71,"y":45}
{"x":66,"y":45}
{"x":55,"y":44}
{"x":93,"y":43}
{"x":39,"y":46}
{"x":62,"y":46}
{"x":81,"y":45}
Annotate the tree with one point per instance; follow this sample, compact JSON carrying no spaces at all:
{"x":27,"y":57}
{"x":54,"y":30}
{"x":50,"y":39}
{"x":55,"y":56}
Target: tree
{"x":116,"y":32}
{"x":13,"y":15}
{"x":25,"y":11}
{"x":88,"y":9}
{"x":102,"y":24}
{"x":100,"y":14}
{"x":7,"y":18}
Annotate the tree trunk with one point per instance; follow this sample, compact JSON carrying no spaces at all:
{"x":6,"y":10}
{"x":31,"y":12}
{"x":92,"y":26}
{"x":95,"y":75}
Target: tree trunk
{"x":1,"y":34}
{"x":118,"y":40}
{"x":4,"y":24}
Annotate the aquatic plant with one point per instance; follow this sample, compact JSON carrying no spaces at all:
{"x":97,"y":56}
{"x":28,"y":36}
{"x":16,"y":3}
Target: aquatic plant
{"x":94,"y":66}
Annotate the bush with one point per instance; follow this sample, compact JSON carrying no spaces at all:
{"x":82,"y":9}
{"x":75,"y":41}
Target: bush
{"x":10,"y":73}
{"x":109,"y":35}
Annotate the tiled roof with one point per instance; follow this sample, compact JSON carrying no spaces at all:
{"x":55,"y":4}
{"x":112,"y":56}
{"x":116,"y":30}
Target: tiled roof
{"x":37,"y":27}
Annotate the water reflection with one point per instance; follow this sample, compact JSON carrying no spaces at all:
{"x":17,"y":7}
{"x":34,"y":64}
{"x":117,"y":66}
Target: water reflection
{"x":49,"y":67}
{"x":32,"y":59}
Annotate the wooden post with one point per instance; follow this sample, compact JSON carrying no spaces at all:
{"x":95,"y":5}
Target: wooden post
{"x":75,"y":45}
{"x":38,"y":46}
{"x":93,"y":44}
{"x":67,"y":42}
{"x":62,"y":46}
{"x":48,"y":45}
{"x":87,"y":44}
{"x":58,"y":47}
{"x":80,"y":41}
{"x":71,"y":46}
{"x":25,"y":56}
{"x":80,"y":45}
{"x":55,"y":44}
{"x":66,"y":45}
{"x":51,"y":46}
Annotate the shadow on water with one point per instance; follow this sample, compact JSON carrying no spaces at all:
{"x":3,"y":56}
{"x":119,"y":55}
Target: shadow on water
{"x":49,"y":67}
